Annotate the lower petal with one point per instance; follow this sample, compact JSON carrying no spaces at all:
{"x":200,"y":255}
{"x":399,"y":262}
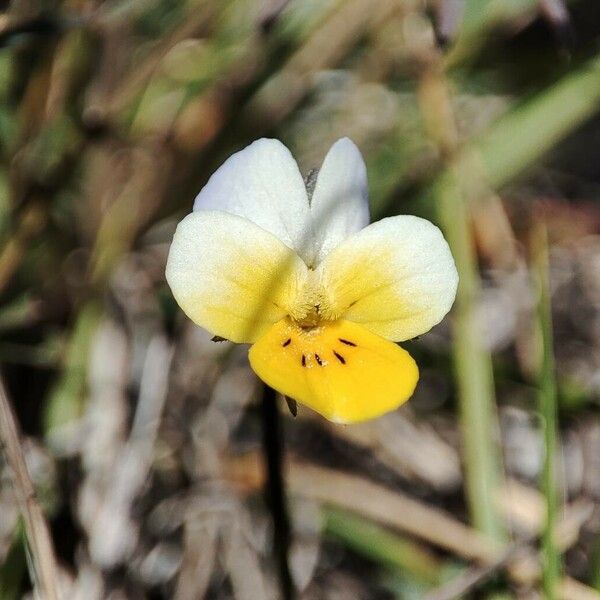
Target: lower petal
{"x":339,"y":369}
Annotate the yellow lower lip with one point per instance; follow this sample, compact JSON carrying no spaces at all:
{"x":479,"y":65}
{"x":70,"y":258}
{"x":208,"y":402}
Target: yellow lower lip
{"x":337,"y":368}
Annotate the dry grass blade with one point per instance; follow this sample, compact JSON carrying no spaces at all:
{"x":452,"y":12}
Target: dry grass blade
{"x":38,"y":534}
{"x":412,"y":449}
{"x":357,"y":494}
{"x":399,"y":511}
{"x":568,"y":589}
{"x":109,"y":539}
{"x":566,"y":533}
{"x":201,"y":541}
{"x":391,"y":507}
{"x":571,"y":589}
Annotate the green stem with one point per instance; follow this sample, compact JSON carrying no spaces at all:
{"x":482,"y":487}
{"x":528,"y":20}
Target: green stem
{"x":378,"y":544}
{"x":548,"y":411}
{"x":519,"y":139}
{"x":473,"y":363}
{"x":473,"y":369}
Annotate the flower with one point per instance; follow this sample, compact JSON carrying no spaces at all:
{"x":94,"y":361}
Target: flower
{"x":321,"y":294}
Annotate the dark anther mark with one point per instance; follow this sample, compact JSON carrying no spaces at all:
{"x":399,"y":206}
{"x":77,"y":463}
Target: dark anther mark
{"x":347,"y":342}
{"x":287,"y":342}
{"x":318,"y":359}
{"x":340,"y":357}
{"x":303,"y":360}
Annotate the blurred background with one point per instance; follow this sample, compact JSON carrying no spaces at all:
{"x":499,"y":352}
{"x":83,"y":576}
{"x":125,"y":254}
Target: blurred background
{"x":144,"y":439}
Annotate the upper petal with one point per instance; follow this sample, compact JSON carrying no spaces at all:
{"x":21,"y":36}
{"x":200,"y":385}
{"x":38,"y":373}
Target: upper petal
{"x":231,"y":276}
{"x":340,"y":202}
{"x":396,"y":277}
{"x":262,"y":183}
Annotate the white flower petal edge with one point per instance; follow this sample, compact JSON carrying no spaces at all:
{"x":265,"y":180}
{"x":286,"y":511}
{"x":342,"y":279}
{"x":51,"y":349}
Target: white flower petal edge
{"x":396,"y":277}
{"x":340,"y":202}
{"x":262,"y":183}
{"x":232,"y":277}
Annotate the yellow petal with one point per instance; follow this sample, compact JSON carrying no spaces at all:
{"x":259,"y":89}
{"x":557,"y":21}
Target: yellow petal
{"x":232,"y":277}
{"x":339,"y":369}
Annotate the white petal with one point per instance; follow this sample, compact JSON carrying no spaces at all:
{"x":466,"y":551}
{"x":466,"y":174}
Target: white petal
{"x":263,"y":184}
{"x":340,"y":202}
{"x":396,"y":277}
{"x":230,"y":276}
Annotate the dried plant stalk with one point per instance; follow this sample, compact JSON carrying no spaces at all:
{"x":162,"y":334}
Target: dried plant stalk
{"x":45,"y":570}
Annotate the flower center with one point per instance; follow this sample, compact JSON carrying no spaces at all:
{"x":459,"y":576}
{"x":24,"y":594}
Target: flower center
{"x":311,"y":319}
{"x":320,"y":345}
{"x":312,"y":306}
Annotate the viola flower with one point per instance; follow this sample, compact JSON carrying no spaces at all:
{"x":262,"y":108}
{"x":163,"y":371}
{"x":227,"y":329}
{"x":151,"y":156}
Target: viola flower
{"x":321,"y":294}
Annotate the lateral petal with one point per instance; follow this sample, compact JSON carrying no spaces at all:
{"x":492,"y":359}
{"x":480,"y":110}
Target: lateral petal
{"x":396,"y":277}
{"x":230,"y":276}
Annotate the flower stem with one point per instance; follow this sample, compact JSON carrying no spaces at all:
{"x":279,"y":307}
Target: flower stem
{"x":274,"y":492}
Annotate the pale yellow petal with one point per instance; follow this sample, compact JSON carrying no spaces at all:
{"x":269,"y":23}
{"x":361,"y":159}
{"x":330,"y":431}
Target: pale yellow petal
{"x":396,"y":277}
{"x":341,"y":370}
{"x":230,"y":276}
